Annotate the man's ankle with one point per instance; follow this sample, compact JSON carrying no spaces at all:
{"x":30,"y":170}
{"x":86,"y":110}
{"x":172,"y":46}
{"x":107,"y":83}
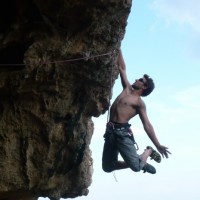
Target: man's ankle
{"x":149,"y":151}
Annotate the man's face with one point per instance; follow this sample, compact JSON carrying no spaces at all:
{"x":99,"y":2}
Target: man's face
{"x":139,"y":83}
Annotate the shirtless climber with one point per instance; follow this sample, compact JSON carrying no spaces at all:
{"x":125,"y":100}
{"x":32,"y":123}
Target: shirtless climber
{"x":119,"y":137}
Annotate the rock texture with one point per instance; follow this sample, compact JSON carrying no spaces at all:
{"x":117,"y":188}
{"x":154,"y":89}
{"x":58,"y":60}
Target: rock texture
{"x":57,"y":68}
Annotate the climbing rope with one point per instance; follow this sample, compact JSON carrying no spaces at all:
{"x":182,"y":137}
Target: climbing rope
{"x":110,"y":95}
{"x":114,"y":176}
{"x":64,"y":61}
{"x":111,"y":84}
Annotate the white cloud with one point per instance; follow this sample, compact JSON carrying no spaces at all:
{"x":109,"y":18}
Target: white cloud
{"x":183,"y":12}
{"x":180,"y":108}
{"x":189,"y":98}
{"x":185,"y":16}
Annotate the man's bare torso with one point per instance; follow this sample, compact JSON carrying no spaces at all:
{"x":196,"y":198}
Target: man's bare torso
{"x":125,"y":107}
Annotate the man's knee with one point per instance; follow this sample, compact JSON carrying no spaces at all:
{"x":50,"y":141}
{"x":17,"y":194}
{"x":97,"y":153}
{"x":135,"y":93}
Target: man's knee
{"x":107,"y":168}
{"x":135,"y":168}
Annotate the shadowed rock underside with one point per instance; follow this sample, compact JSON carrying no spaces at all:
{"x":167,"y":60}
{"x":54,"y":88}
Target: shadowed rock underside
{"x":56,"y":63}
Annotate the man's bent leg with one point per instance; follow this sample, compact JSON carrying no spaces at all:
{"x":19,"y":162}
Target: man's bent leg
{"x":110,"y":157}
{"x":144,"y":156}
{"x":128,"y":152}
{"x":120,"y":165}
{"x":145,"y":166}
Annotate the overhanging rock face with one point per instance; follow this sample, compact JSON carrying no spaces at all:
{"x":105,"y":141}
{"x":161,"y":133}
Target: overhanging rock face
{"x":56,"y":59}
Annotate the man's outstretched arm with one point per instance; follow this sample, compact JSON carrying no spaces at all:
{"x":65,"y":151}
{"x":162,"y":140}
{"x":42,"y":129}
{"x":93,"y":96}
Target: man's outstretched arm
{"x":151,"y":133}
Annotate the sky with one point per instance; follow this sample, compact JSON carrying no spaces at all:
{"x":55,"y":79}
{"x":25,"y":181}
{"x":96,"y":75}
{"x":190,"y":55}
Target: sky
{"x":162,"y":40}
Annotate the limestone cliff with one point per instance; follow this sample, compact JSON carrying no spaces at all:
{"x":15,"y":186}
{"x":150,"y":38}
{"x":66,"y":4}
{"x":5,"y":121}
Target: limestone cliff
{"x":56,"y":59}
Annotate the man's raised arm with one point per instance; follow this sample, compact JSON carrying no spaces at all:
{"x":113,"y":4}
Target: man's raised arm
{"x":122,"y":70}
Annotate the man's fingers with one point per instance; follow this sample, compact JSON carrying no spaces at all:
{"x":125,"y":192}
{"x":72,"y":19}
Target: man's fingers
{"x":168,"y":152}
{"x":166,"y":155}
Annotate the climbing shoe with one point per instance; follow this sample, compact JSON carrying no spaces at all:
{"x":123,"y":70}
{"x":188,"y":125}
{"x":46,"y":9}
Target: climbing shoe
{"x":154,"y":155}
{"x":149,"y":168}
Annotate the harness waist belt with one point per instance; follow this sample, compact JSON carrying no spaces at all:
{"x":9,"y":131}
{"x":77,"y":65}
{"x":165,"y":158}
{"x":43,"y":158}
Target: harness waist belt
{"x":119,"y":126}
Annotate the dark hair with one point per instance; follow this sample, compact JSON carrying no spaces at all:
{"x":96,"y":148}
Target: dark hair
{"x":150,"y":85}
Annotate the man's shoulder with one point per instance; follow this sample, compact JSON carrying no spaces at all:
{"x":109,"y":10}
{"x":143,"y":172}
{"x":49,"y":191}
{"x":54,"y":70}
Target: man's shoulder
{"x":141,"y":103}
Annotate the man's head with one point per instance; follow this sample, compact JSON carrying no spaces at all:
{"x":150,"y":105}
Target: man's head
{"x":146,"y":83}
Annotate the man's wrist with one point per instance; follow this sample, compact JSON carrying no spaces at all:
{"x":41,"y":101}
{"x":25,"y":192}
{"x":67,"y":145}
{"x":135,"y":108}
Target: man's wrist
{"x":157,"y":145}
